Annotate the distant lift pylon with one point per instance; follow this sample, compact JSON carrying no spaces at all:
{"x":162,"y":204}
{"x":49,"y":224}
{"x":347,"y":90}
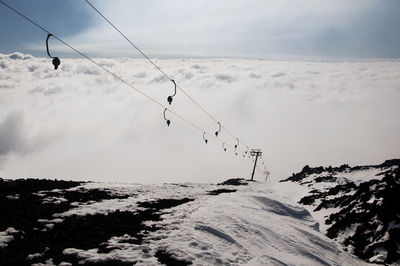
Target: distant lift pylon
{"x":257,"y":153}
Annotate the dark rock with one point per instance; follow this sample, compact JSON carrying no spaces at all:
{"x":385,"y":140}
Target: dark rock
{"x":368,"y":207}
{"x":234,"y":182}
{"x":163,"y":203}
{"x":328,"y":178}
{"x":29,"y":185}
{"x":81,"y":232}
{"x":219,"y":191}
{"x":168,"y":259}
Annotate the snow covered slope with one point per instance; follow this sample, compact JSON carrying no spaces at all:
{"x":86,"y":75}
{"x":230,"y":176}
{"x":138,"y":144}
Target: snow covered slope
{"x":248,"y":227}
{"x":172,"y":224}
{"x":357,"y":206}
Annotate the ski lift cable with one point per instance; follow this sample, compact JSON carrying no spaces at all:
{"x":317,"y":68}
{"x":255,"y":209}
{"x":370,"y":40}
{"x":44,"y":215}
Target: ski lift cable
{"x":115,"y":75}
{"x":162,"y":72}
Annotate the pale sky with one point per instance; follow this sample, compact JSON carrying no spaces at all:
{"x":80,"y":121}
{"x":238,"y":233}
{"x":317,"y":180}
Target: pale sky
{"x":339,"y":28}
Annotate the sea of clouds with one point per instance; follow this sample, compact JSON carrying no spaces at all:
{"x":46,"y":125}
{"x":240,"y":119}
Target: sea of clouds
{"x":78,"y":122}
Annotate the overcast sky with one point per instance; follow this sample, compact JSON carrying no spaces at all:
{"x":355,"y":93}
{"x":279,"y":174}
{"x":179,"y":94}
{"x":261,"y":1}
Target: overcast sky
{"x":342,"y":28}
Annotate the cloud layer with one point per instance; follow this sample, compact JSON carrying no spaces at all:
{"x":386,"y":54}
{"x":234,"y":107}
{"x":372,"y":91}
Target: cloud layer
{"x":81,"y":123}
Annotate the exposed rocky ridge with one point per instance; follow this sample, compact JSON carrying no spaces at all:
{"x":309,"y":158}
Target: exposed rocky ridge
{"x":27,"y":214}
{"x":307,"y":170}
{"x":364,"y":215}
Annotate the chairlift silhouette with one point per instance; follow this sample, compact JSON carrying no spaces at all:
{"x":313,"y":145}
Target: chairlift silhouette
{"x":223,"y":146}
{"x":204,"y":137}
{"x":170,"y":98}
{"x":165,"y":118}
{"x":236,"y":145}
{"x":56,"y":61}
{"x":246,"y":151}
{"x":219,"y":129}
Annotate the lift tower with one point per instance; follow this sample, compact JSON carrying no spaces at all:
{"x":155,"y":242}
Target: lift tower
{"x":257,"y":153}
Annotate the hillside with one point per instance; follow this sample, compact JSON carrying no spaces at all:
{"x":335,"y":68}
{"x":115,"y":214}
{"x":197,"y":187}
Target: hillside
{"x":356,"y":206}
{"x":234,"y":223}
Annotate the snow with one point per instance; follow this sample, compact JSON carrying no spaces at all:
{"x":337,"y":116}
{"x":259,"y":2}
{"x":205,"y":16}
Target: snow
{"x":13,"y":197}
{"x":355,"y":176}
{"x":33,"y":256}
{"x":298,"y":190}
{"x":54,"y":200}
{"x":257,"y":225}
{"x":57,"y":220}
{"x":47,"y":263}
{"x":378,"y":258}
{"x":7,"y":236}
{"x":361,"y":176}
{"x":310,"y":179}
